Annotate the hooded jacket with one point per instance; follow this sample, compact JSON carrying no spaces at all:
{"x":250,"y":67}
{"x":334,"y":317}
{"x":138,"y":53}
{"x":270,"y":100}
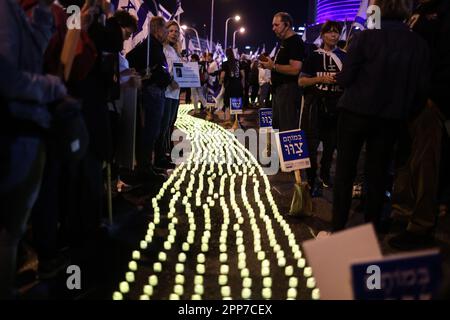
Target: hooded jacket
{"x":24,"y":89}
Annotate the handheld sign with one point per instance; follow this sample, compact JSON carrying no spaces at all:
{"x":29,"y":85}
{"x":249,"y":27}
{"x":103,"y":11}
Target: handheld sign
{"x":210,"y":102}
{"x":331,"y":257}
{"x":236,"y":105}
{"x":186,"y":74}
{"x":265,"y":118}
{"x":413,"y":276}
{"x":292,"y":150}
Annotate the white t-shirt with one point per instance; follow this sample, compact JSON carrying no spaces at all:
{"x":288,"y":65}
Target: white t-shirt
{"x":171,"y":57}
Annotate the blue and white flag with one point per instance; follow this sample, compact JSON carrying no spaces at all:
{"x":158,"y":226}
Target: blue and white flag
{"x":343,"y":35}
{"x":361,"y":17}
{"x":165,"y":13}
{"x":178,"y":10}
{"x":143,"y":10}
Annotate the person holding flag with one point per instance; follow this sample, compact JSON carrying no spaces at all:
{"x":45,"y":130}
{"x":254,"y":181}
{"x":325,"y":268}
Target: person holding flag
{"x":156,"y":78}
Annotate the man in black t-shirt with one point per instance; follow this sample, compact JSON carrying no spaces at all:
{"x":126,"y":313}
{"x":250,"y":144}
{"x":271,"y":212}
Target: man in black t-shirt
{"x":285,"y":70}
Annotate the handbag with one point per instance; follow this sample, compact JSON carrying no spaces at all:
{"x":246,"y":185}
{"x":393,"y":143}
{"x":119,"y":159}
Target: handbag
{"x":68,"y":129}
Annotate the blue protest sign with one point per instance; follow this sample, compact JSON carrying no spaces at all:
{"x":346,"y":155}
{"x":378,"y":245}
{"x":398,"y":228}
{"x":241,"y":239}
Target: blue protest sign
{"x":265,"y":118}
{"x":402,"y":277}
{"x":236,"y":105}
{"x":210,"y":100}
{"x":293,"y":150}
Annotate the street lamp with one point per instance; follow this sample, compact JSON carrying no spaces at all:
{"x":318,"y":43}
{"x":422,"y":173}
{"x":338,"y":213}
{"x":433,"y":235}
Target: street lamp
{"x":185,"y":27}
{"x":236,"y":18}
{"x":241,"y":30}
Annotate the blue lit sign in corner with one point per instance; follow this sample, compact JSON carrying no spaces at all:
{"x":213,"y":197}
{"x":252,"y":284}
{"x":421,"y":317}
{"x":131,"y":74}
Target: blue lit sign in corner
{"x":406,"y":277}
{"x":336,"y":10}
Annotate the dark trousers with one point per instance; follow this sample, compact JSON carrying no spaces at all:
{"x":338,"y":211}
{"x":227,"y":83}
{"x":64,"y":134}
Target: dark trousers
{"x":286,"y":107}
{"x":417,"y":183}
{"x":318,"y":127}
{"x":328,"y":136}
{"x":48,"y":207}
{"x":264,"y":94}
{"x":255,"y":89}
{"x":162,"y":145}
{"x":380,"y":135}
{"x":22,"y":162}
{"x":83,"y":221}
{"x":153,"y":99}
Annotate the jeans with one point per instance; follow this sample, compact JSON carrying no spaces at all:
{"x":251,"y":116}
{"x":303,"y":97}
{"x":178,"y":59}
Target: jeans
{"x":22,"y":162}
{"x":153,"y":100}
{"x":162,"y":146}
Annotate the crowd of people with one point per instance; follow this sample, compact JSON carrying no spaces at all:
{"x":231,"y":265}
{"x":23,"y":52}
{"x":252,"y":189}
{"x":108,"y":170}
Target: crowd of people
{"x":385,"y":93}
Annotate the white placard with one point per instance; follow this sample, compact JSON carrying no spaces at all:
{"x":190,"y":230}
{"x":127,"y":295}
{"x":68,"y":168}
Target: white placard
{"x":186,"y":74}
{"x":331,"y":258}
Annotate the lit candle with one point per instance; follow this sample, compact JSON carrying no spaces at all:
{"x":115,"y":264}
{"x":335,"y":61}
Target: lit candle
{"x":225,"y":291}
{"x":124,"y":287}
{"x":117,"y":296}
{"x":292,"y":293}
{"x":129,"y":277}
{"x":148,"y":290}
{"x":267,"y":282}
{"x":157,"y":267}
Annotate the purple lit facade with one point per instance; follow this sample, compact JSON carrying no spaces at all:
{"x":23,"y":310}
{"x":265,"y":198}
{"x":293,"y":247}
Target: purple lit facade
{"x":337,"y":10}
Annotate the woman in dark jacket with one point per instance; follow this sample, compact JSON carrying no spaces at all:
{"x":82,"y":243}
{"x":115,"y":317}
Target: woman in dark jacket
{"x":232,"y":76}
{"x":384,"y":79}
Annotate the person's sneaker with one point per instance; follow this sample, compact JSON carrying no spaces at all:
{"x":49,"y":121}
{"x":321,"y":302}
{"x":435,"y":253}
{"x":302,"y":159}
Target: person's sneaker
{"x":316,"y":192}
{"x":165,"y":164}
{"x":325,"y":182}
{"x":150,"y":175}
{"x":357,"y":191}
{"x":409,"y":241}
{"x":158,"y":170}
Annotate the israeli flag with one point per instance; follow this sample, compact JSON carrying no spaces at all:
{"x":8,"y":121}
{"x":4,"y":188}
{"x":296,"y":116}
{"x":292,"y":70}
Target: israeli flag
{"x":143,"y":10}
{"x":360,"y":19}
{"x":178,"y":10}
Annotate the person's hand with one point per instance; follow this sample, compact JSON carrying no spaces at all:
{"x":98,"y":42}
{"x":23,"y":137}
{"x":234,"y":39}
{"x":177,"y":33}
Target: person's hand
{"x":327,"y":79}
{"x":136,"y":81}
{"x":267,"y":64}
{"x":128,"y":72}
{"x":174,"y":85}
{"x":56,"y":87}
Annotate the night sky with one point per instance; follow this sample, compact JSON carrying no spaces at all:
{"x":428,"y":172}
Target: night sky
{"x":256,"y":17}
